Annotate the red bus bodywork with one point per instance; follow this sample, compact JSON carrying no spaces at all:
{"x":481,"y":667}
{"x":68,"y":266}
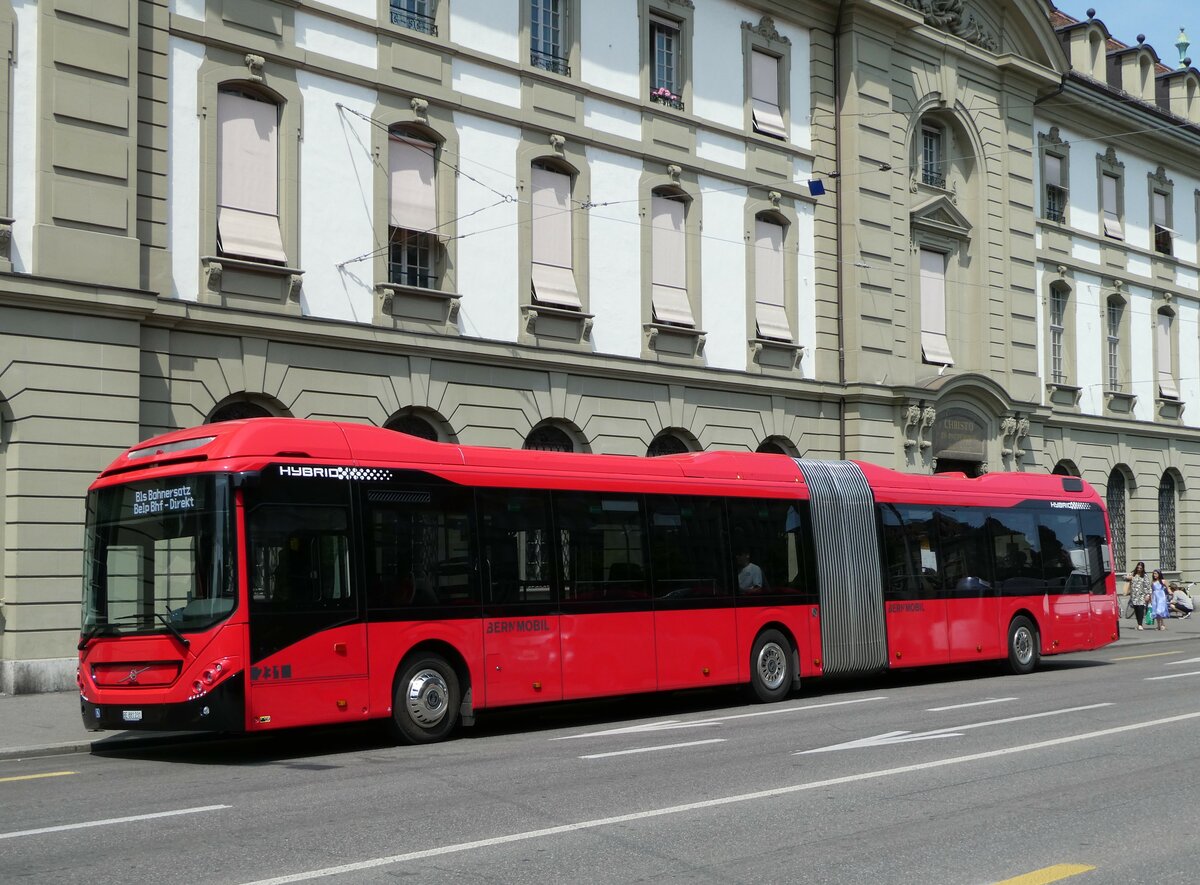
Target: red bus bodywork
{"x":348,"y":672}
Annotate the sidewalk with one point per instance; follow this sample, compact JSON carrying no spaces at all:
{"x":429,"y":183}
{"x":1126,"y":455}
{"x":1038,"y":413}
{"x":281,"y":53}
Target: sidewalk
{"x":34,"y":725}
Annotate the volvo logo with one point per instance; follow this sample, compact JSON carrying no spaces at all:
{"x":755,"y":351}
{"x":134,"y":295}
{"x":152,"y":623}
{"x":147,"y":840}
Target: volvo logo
{"x":133,"y":675}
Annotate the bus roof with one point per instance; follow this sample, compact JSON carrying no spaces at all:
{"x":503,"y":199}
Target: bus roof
{"x":251,"y":443}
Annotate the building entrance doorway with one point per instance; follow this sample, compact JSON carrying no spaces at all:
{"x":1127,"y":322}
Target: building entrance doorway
{"x":952,"y":465}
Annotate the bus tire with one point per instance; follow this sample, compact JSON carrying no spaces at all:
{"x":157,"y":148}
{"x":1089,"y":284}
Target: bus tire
{"x":1023,"y":650}
{"x":771,"y":666}
{"x":426,"y":704}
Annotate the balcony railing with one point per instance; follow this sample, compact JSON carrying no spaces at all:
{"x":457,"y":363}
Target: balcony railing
{"x":407,"y":275}
{"x":548,"y":61}
{"x":933,"y":178}
{"x":414,"y":21}
{"x":1056,"y":203}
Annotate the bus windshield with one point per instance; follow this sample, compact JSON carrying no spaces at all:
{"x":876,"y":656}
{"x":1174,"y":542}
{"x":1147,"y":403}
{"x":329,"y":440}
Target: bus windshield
{"x":159,"y":556}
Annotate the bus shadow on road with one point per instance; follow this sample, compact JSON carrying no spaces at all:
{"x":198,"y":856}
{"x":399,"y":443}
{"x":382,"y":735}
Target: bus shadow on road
{"x":329,"y":748}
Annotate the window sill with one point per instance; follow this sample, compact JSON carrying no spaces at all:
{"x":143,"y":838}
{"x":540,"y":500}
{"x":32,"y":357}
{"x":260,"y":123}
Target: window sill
{"x":557,"y":323}
{"x":431,"y":306}
{"x":1169,"y":409}
{"x":679,"y":341}
{"x":771,"y":353}
{"x":1061,"y":394}
{"x":231,"y":277}
{"x":1119,"y":402}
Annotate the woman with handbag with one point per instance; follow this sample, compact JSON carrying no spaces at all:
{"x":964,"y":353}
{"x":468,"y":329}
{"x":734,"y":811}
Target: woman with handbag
{"x":1138,"y":588}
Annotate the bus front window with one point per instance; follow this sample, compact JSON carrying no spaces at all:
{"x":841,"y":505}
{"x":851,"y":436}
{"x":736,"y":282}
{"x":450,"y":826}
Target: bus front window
{"x":159,"y":556}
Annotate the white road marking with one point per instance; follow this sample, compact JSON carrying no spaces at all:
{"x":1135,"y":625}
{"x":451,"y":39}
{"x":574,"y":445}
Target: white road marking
{"x":653,"y":749}
{"x":1172,"y":676}
{"x":904,"y":737}
{"x":668,"y":724}
{"x":1177,"y":663}
{"x":460,"y":847}
{"x":972,"y":704}
{"x":112,"y":820}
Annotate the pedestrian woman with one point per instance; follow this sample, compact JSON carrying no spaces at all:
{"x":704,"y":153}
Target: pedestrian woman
{"x":1158,"y":600}
{"x":1138,"y":588}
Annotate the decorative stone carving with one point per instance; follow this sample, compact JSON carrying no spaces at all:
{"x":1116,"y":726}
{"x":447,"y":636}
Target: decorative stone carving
{"x":912,"y":420}
{"x":1110,"y":157}
{"x":1054,"y":137}
{"x":674,"y":172}
{"x":952,"y":16}
{"x":767,"y":30}
{"x":6,"y":230}
{"x":254,"y":63}
{"x":212,"y":275}
{"x":294,"y":283}
{"x":928,"y":417}
{"x":420,"y":109}
{"x":1159,"y":177}
{"x":558,"y":142}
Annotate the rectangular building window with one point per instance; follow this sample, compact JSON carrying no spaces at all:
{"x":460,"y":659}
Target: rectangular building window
{"x":1166,"y":372}
{"x":1058,"y":309}
{"x":1163,"y":235}
{"x":931,"y":157}
{"x":1056,"y":194}
{"x":412,"y":212}
{"x":769,"y":304}
{"x":416,"y":15}
{"x":248,"y":178}
{"x":764,"y":95}
{"x":1114,"y":345}
{"x":553,"y":268}
{"x":1109,"y":185}
{"x":665,"y":80}
{"x":548,"y":36}
{"x":934,"y":345}
{"x":669,"y":293}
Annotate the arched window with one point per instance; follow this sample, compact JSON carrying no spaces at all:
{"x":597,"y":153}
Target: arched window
{"x":666,"y":443}
{"x":776,"y":445}
{"x":1115,"y":499}
{"x":1166,"y":523}
{"x":548,"y":438}
{"x":413,"y":425}
{"x":1065,"y":468}
{"x":236,"y":410}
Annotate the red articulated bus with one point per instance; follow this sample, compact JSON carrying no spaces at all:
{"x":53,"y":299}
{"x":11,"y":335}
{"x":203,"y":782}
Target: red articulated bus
{"x":269,"y":573}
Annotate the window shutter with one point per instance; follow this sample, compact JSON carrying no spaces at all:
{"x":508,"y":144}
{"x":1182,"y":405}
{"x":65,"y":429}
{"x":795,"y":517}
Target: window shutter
{"x":770,"y":307}
{"x":412,"y":184}
{"x":1160,"y":210}
{"x":1166,"y":377}
{"x":764,"y":94}
{"x":669,"y":262}
{"x":248,"y":178}
{"x":1053,"y":170}
{"x":553,"y":275}
{"x":934,"y":344}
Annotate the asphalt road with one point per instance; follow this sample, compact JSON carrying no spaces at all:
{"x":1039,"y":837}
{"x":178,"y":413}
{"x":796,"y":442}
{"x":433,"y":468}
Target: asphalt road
{"x":957,"y":775}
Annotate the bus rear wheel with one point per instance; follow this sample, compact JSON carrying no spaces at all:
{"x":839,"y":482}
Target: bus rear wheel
{"x":771,"y":666}
{"x":425,"y":706}
{"x":1022,"y":646}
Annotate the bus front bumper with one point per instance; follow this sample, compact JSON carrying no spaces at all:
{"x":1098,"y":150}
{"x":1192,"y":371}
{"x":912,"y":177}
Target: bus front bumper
{"x":222,"y":709}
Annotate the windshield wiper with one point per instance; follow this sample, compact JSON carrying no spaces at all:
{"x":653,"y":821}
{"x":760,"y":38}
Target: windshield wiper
{"x":166,"y":620}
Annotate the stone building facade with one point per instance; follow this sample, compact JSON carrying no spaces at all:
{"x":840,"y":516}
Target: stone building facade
{"x":953,"y":235}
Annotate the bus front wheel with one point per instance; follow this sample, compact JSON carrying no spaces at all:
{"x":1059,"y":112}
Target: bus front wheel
{"x":1022,"y":646}
{"x":425,"y":707}
{"x":771,"y":666}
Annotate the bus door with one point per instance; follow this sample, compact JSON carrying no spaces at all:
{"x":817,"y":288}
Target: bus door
{"x":972,"y":604}
{"x":1068,"y":584}
{"x":522,"y":646}
{"x":308,"y":643}
{"x":695,"y":627}
{"x":914,"y":605}
{"x":1017,"y":561}
{"x":608,"y":644}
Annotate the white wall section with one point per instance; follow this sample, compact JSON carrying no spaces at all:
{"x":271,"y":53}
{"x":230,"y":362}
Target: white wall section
{"x":722,"y":248}
{"x":609,"y":46}
{"x":365,"y":8}
{"x":718,"y":74}
{"x":488,"y":244}
{"x":335,"y":39}
{"x":336,"y":200}
{"x":615,"y":283}
{"x":188,"y":9}
{"x":488,"y":26}
{"x":183,"y":167}
{"x":615,"y":119}
{"x":1141,"y":349}
{"x":806,"y":287}
{"x":487,"y":83}
{"x":23,"y":151}
{"x":1189,"y":359}
{"x":1090,"y":368}
{"x":717,"y":148}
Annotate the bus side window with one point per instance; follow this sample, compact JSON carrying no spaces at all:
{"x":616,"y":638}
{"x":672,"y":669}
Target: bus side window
{"x":602,"y":546}
{"x":910,"y":548}
{"x":1064,"y":553}
{"x":686,"y":541}
{"x":516,"y":546}
{"x":1099,"y":554}
{"x":300,"y":558}
{"x":963,"y":548}
{"x":1016,"y":551}
{"x":419,"y":548}
{"x":770,"y":537}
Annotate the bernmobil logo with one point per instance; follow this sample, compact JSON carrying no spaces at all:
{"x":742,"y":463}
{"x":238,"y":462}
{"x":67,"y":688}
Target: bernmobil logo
{"x":296,"y":472}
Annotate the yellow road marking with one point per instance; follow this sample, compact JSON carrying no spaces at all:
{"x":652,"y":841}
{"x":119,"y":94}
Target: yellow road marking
{"x":1046,"y":875}
{"x":1157,"y":654}
{"x":31,"y":777}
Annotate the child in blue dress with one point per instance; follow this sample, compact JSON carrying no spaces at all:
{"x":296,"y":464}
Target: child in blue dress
{"x":1159,"y":600}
